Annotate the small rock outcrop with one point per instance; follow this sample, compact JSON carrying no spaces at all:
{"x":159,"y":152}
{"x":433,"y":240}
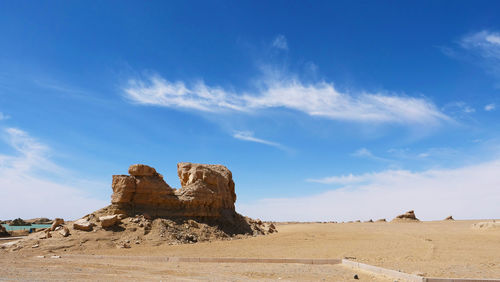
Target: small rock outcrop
{"x":64,"y":231}
{"x":449,"y":218}
{"x":408,"y":216}
{"x":83,"y":225}
{"x":109,"y":220}
{"x":56,"y":223}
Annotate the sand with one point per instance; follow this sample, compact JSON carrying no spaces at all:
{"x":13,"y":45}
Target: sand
{"x":433,"y":249}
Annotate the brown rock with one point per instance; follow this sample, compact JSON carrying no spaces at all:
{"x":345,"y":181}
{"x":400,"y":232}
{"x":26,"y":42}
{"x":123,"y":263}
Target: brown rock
{"x":408,"y":216}
{"x":44,"y":235}
{"x":64,"y":231}
{"x":83,"y":225}
{"x":109,"y":220}
{"x":449,"y":218}
{"x":56,"y":223}
{"x":207,"y":191}
{"x":3,"y":232}
{"x":123,"y":189}
{"x":141,"y":170}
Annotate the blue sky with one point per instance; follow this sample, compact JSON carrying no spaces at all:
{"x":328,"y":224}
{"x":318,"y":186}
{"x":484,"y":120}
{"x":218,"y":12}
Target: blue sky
{"x":322,"y":111}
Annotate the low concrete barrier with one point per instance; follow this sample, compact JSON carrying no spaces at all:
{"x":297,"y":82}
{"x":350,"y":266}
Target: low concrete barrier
{"x":384,"y":271}
{"x":430,"y":279}
{"x":353,"y":264}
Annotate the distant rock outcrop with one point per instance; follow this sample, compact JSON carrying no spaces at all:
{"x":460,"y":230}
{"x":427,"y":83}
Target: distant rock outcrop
{"x":408,"y":216}
{"x":3,"y":232}
{"x":486,"y":225}
{"x":449,"y":218}
{"x":39,"y":220}
{"x":19,"y":222}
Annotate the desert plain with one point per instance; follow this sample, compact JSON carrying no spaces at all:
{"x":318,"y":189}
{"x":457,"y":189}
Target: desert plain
{"x":431,"y":249}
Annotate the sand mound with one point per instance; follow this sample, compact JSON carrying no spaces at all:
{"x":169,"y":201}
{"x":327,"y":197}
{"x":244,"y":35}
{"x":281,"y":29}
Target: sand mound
{"x":409,"y":216}
{"x":146,"y":210}
{"x":486,"y":225}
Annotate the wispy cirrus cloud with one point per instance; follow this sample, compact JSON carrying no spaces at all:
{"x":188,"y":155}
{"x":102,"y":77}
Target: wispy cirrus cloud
{"x":484,"y":43}
{"x":280,"y":42}
{"x":490,"y":107}
{"x":481,"y":48}
{"x":469,"y":192}
{"x":3,"y":116}
{"x":248,"y":136}
{"x":21,"y":180}
{"x":365,"y":153}
{"x":320,"y":99}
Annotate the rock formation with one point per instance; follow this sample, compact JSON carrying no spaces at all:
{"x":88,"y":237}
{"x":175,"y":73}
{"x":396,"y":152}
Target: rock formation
{"x":408,"y":216}
{"x":207,"y":196}
{"x":57,"y":222}
{"x":64,"y":231}
{"x":145,"y":210}
{"x":449,"y":218}
{"x":19,"y":222}
{"x":83,"y":225}
{"x":3,"y":232}
{"x":207,"y":192}
{"x":109,"y":220}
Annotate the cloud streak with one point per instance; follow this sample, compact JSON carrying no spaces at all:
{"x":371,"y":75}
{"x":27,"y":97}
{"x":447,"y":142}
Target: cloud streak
{"x":315,"y":99}
{"x":469,"y":192}
{"x":248,"y":136}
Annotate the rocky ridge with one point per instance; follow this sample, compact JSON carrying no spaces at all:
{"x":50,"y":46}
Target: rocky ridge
{"x":144,"y":209}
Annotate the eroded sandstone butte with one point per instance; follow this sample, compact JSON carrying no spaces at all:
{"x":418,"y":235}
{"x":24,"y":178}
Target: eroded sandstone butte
{"x":207,"y":192}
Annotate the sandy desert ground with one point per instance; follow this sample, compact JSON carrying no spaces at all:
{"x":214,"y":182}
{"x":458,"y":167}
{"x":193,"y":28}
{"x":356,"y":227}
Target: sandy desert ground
{"x":433,"y":249}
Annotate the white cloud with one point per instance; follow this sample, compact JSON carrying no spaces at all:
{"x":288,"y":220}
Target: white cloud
{"x":489,"y":107}
{"x":342,"y":180}
{"x":3,"y":116}
{"x":483,"y":49}
{"x":458,"y":108}
{"x":280,"y":42}
{"x":466,"y":193}
{"x":485,"y":43}
{"x":363,"y":152}
{"x":248,"y":136}
{"x":25,"y":194}
{"x":317,"y":99}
